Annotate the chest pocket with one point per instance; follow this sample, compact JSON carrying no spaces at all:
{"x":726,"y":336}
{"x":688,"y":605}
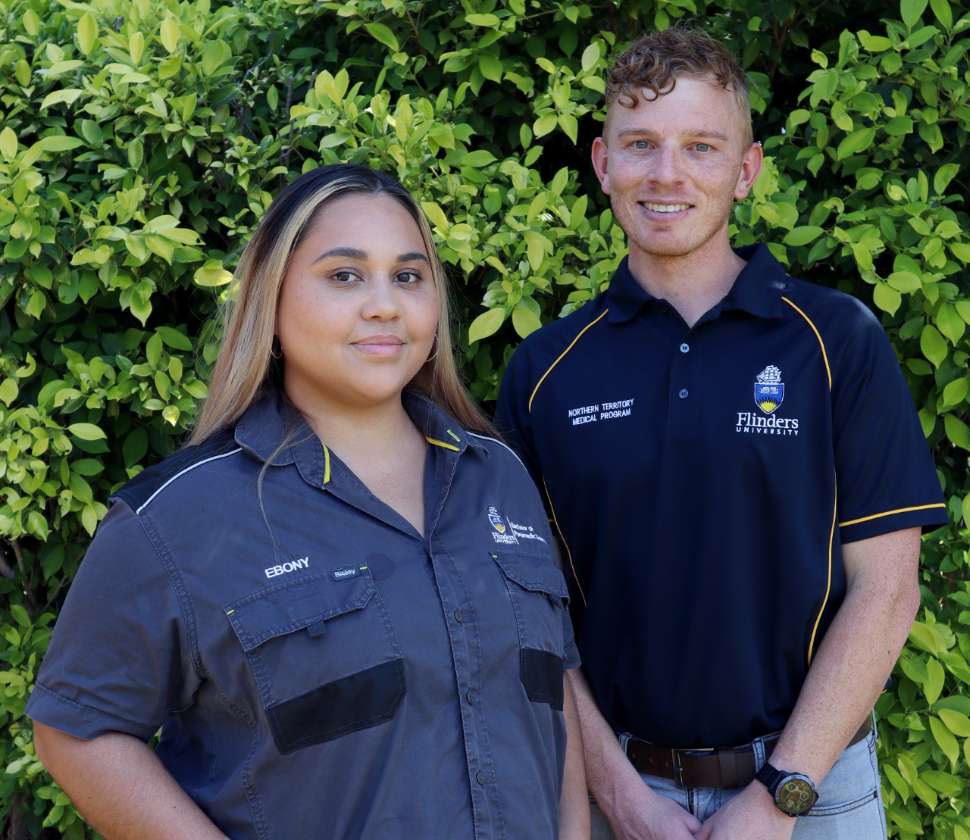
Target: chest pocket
{"x":539,"y":597}
{"x":322,"y":652}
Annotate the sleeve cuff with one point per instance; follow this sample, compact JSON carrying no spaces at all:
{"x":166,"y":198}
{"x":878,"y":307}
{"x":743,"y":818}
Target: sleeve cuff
{"x":59,"y":712}
{"x":926,"y":516}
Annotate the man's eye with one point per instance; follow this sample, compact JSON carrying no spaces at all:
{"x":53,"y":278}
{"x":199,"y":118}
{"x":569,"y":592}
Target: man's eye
{"x":702,"y":147}
{"x":641,"y":144}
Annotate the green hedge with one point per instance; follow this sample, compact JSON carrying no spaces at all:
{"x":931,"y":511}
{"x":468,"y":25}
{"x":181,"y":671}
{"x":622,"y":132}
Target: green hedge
{"x":140,"y":140}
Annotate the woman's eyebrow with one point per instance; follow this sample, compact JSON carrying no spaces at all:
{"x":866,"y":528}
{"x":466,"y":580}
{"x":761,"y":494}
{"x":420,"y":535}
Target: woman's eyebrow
{"x":357,"y":254}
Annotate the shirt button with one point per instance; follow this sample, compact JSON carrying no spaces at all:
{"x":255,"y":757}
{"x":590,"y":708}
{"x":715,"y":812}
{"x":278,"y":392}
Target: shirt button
{"x":470,"y":695}
{"x":682,"y":393}
{"x":458,"y":616}
{"x":685,"y":348}
{"x":480,"y":777}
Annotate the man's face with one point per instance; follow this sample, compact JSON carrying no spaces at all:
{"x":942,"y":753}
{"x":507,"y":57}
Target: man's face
{"x":673,"y":167}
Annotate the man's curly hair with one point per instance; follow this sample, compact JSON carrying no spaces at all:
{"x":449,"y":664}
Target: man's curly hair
{"x":651,"y":65}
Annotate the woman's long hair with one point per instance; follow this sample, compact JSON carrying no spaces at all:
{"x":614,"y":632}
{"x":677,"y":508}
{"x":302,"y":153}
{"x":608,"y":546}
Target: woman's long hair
{"x":243,"y":368}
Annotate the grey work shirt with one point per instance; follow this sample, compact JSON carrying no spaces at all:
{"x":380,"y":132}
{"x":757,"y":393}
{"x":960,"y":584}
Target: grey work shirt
{"x":318,"y":668}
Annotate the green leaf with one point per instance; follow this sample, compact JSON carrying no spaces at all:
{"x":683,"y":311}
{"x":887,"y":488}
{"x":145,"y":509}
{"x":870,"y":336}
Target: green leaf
{"x":886,"y":298}
{"x":957,"y":431}
{"x":58,"y":143}
{"x":86,"y":431}
{"x":944,"y":175}
{"x":525,"y":320}
{"x":8,"y":391}
{"x":482,"y":20}
{"x":950,"y":323}
{"x":802,"y":235}
{"x":212,"y":274}
{"x":935,"y":677}
{"x":955,"y":392}
{"x":175,"y":338}
{"x":435,"y":215}
{"x":485,"y":325}
{"x":911,"y":11}
{"x":956,"y":722}
{"x":536,"y":245}
{"x":214,"y":55}
{"x":169,"y":34}
{"x":490,"y":67}
{"x":545,"y":124}
{"x":8,"y":143}
{"x":961,"y":251}
{"x":383,"y":33}
{"x":478,"y":158}
{"x":67,"y":96}
{"x":87,"y":33}
{"x":591,"y":55}
{"x":135,"y":446}
{"x":905,"y":281}
{"x":933,"y":345}
{"x":20,"y":616}
{"x":945,"y":740}
{"x":858,"y":141}
{"x":941,"y":8}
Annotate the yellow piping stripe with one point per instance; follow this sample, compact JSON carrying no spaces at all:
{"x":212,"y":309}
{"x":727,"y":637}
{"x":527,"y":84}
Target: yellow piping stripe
{"x":825,"y":357}
{"x":442,"y":444}
{"x":559,"y":358}
{"x":326,"y":464}
{"x":890,"y":513}
{"x":828,"y":583}
{"x":453,"y":436}
{"x":562,"y":538}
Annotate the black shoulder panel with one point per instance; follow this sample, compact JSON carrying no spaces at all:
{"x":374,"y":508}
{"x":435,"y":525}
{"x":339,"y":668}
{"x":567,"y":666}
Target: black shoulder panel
{"x":141,"y":488}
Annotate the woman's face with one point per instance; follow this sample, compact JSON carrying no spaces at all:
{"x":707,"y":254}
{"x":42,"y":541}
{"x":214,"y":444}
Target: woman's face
{"x":358,"y":311}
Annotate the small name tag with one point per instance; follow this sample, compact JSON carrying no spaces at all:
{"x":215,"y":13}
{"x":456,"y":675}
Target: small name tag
{"x":345,"y":574}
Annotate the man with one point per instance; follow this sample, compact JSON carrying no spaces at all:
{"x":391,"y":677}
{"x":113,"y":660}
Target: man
{"x":733,"y":464}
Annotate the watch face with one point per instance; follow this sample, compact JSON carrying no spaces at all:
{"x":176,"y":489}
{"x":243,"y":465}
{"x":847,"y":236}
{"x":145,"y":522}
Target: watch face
{"x":795,"y":795}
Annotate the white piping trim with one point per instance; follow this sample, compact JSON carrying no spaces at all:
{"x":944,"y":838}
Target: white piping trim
{"x":189,"y":468}
{"x":496,"y":440}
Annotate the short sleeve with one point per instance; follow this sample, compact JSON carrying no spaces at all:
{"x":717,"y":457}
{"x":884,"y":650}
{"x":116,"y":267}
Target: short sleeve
{"x":117,"y":660}
{"x":571,"y":659}
{"x":512,"y":413}
{"x":886,"y":477}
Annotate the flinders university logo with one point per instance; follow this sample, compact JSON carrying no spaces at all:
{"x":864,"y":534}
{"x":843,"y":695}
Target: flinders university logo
{"x":500,"y":532}
{"x":769,"y":390}
{"x":769,"y":394}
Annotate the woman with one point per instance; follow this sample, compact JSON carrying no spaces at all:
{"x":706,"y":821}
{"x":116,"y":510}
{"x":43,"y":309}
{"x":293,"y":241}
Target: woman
{"x":341,"y":604}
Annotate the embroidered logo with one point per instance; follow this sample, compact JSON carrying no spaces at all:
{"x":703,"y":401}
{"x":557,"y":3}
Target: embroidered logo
{"x":500,"y":532}
{"x":769,"y":394}
{"x":769,"y":390}
{"x":599,"y":412}
{"x":288,"y":566}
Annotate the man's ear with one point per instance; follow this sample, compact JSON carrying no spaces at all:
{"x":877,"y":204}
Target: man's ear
{"x":599,"y":155}
{"x":750,"y":168}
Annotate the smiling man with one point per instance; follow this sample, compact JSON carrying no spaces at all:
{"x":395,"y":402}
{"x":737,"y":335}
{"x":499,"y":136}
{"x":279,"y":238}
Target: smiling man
{"x":733,"y":464}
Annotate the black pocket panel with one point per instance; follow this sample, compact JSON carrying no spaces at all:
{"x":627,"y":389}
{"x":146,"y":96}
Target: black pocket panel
{"x":359,"y":701}
{"x":542,"y":677}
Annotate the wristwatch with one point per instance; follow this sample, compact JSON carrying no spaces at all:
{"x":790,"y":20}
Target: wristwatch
{"x":794,"y":793}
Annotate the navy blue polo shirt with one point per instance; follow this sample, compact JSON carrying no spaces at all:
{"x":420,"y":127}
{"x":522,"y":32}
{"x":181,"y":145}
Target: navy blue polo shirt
{"x":703,"y":481}
{"x":317,"y":667}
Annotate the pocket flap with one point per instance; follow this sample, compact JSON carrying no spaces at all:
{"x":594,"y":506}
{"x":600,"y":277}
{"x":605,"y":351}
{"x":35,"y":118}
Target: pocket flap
{"x":537,"y":574}
{"x":288,"y":607}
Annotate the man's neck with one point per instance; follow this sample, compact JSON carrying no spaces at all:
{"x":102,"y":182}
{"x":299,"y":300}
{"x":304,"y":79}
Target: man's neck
{"x":691,"y":284}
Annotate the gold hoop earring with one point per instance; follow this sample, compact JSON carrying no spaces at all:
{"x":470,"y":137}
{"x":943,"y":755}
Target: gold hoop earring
{"x":434,"y":354}
{"x":276,"y":349}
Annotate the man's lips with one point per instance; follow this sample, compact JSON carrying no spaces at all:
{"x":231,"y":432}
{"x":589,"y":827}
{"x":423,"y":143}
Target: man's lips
{"x":665,"y":210}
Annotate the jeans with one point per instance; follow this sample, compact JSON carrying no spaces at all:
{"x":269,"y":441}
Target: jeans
{"x":849,"y":805}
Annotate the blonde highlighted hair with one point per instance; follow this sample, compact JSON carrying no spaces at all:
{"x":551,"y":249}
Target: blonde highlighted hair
{"x":245,"y":367}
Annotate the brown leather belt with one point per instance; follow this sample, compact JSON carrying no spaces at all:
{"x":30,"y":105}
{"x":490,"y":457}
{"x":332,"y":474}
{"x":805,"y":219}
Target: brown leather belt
{"x":727,"y":767}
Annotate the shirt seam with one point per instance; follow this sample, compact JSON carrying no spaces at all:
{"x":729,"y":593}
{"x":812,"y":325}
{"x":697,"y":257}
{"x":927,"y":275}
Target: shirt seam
{"x":86,"y":709}
{"x":562,"y":355}
{"x":912,"y":509}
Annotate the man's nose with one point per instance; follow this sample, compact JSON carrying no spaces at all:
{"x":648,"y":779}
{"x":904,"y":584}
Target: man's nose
{"x":667,"y":167}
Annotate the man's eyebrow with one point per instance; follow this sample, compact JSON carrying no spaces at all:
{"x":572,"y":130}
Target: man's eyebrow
{"x":357,"y":254}
{"x":699,"y":132}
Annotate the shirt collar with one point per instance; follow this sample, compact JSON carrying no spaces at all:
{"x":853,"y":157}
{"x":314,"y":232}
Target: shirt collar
{"x":273,"y":430}
{"x":756,"y":290}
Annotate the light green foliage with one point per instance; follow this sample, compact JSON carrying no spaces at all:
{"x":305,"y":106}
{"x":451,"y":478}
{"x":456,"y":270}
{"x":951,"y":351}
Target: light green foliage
{"x":141,"y":140}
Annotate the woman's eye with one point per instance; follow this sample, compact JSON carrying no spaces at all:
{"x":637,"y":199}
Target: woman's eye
{"x":408,"y":278}
{"x":343,"y":277}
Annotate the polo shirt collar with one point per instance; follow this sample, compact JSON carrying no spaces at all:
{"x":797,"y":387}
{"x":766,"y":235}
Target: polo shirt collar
{"x":757,"y":289}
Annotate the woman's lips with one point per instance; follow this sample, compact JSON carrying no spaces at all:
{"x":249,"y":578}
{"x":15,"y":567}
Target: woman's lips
{"x":380,"y":346}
